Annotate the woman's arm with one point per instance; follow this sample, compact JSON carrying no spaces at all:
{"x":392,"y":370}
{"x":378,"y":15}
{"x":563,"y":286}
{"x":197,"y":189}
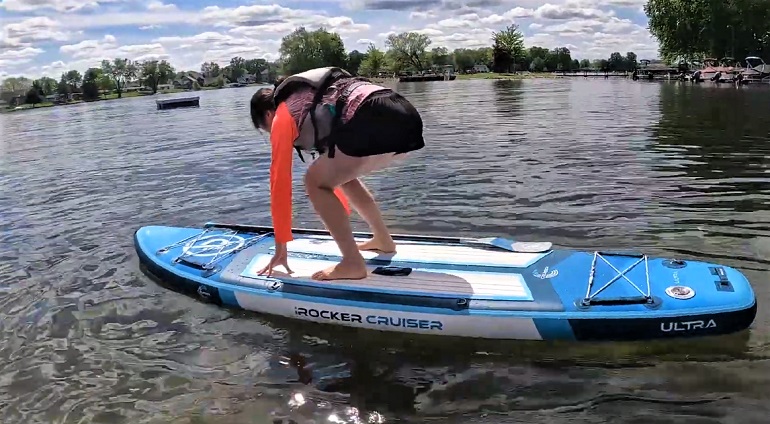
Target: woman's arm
{"x":283,"y":132}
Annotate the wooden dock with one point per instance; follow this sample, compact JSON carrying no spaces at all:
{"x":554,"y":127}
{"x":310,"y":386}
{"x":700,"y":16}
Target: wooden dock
{"x":421,"y":78}
{"x":178,"y":102}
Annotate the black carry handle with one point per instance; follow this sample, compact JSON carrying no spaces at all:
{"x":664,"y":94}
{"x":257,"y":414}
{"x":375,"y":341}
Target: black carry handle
{"x":392,"y":271}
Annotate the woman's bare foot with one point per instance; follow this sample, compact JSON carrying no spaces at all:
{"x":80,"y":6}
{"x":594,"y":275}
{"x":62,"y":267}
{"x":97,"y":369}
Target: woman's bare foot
{"x":347,"y":269}
{"x":378,"y":244}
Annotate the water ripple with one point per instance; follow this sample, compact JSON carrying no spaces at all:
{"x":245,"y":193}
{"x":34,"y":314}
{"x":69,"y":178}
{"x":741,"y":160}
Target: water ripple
{"x":669,"y":168}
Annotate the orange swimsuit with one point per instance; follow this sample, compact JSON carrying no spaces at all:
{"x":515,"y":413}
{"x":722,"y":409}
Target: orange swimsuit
{"x":283,"y":132}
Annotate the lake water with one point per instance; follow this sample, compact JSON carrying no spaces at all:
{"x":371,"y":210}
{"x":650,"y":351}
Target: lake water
{"x":668,"y":168}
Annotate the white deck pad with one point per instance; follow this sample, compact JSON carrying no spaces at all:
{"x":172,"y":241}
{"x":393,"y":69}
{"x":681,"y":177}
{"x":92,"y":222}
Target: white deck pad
{"x":425,"y":253}
{"x":433,"y":282}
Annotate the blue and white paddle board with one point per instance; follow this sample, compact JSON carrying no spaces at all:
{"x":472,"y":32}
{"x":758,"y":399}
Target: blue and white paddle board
{"x":455,"y":287}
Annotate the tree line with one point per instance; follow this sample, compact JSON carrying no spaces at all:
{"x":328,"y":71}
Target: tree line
{"x":689,"y":30}
{"x":415,"y":52}
{"x":300,"y":50}
{"x":111,"y":76}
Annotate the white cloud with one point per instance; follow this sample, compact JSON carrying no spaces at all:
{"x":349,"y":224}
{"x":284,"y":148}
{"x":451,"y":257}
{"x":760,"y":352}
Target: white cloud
{"x":19,"y":56}
{"x":132,"y":19}
{"x":47,"y":35}
{"x":90,"y":53}
{"x":569,"y":10}
{"x":509,"y":16}
{"x":257,"y":19}
{"x":90,"y":48}
{"x":65,"y":6}
{"x":422,"y":15}
{"x":159,"y":6}
{"x":31,"y":30}
{"x":248,"y":15}
{"x":218,"y":48}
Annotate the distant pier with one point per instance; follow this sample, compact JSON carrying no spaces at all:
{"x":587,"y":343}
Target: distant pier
{"x":431,"y":77}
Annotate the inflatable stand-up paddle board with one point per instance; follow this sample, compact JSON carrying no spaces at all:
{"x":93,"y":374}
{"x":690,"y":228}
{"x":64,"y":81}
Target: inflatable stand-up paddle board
{"x":486,"y":288}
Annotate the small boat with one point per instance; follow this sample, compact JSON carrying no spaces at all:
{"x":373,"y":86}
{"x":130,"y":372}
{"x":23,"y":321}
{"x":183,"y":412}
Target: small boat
{"x":491,"y":288}
{"x":756,"y":70}
{"x":726,"y":69}
{"x":178,"y":102}
{"x":708,"y":69}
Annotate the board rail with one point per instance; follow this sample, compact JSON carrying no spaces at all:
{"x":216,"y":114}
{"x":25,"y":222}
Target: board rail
{"x":488,"y":243}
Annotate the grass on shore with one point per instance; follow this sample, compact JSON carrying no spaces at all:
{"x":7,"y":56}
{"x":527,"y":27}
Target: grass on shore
{"x":114,"y":96}
{"x":488,"y":76}
{"x":508,"y":76}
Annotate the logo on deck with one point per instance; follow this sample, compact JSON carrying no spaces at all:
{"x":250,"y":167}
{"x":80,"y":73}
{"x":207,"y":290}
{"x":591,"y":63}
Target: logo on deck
{"x":545,"y":274}
{"x":680,"y":292}
{"x":213,"y":245}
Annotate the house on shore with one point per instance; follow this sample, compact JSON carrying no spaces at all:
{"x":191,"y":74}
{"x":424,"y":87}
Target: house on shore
{"x":13,"y":98}
{"x":187,"y":79}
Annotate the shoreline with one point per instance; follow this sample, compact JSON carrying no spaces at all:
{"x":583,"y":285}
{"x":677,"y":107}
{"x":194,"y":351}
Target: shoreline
{"x":389,"y":80}
{"x":109,"y":97}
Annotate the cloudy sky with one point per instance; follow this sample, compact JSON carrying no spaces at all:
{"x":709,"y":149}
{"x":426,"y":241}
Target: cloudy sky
{"x":47,"y":37}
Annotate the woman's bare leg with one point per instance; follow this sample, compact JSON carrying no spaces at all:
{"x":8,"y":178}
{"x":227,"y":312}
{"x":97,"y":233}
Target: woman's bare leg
{"x":329,"y":208}
{"x":321,"y":178}
{"x":363,"y":202}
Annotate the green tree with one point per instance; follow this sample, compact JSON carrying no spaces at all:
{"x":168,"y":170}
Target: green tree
{"x":373,"y":63}
{"x":106,"y":84}
{"x":630,"y":61}
{"x":47,"y":85}
{"x":537,"y":64}
{"x":354,"y":61}
{"x":302,"y":50}
{"x":62,"y":88}
{"x":408,"y":50}
{"x":255,"y":66}
{"x":616,"y":62}
{"x":236,"y":69}
{"x":692,"y":29}
{"x":585,"y":63}
{"x":16,"y":83}
{"x":464,"y":58}
{"x":91,"y":84}
{"x":508,"y":48}
{"x":439,"y":56}
{"x":74,"y":79}
{"x":37,"y":86}
{"x":155,"y":73}
{"x":601,"y":64}
{"x":120,"y":71}
{"x":33,"y":97}
{"x":272,"y":71}
{"x":394,"y":64}
{"x":559,"y":59}
{"x":210,"y":69}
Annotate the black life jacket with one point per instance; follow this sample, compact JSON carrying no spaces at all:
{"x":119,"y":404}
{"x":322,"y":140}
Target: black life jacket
{"x":324,"y":116}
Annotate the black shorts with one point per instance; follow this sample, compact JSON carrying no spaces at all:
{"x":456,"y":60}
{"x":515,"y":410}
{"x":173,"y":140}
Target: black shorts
{"x":385,"y":122}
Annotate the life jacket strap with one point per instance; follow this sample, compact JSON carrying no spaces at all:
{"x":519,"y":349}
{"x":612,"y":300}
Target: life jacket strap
{"x":317,"y":98}
{"x":339,"y":105}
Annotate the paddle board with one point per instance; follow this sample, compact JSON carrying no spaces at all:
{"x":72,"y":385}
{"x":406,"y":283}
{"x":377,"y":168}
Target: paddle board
{"x":455,"y":287}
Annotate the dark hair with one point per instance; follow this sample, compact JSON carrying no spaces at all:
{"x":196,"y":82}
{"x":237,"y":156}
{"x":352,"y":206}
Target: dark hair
{"x":261,"y":103}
